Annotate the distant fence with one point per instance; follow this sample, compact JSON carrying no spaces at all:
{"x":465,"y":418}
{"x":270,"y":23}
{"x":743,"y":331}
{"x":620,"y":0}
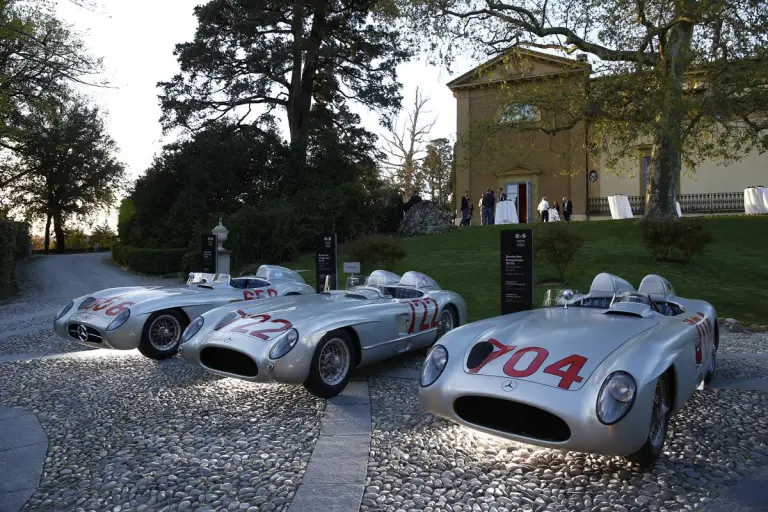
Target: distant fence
{"x":714,"y":202}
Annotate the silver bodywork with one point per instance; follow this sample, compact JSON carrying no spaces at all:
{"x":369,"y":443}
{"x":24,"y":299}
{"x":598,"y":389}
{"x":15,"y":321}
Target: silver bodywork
{"x":524,"y":398}
{"x":203,"y":292}
{"x":395,"y":316}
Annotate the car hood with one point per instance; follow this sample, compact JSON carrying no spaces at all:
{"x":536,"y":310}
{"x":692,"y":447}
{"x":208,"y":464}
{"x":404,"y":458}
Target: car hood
{"x":545,"y":344}
{"x":131,"y":297}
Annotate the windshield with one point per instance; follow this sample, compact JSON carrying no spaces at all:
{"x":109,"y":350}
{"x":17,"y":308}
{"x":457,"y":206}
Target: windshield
{"x":637,"y":298}
{"x":204,"y":278}
{"x":555,"y":297}
{"x":368,"y":286}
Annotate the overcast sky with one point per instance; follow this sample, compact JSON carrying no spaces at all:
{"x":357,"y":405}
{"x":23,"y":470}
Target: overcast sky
{"x":136,"y":39}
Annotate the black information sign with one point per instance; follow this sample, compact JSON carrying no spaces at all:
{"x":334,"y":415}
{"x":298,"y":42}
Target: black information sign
{"x":208,"y":243}
{"x":326,"y":261}
{"x":516,"y":270}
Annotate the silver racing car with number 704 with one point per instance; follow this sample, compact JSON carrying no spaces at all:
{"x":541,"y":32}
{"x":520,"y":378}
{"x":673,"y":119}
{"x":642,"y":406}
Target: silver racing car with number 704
{"x":596,"y":373}
{"x":152,"y":318}
{"x":319,"y":340}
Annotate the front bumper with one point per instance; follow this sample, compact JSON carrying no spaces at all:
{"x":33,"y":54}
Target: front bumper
{"x":125,"y":337}
{"x":536,"y":414}
{"x":229,"y":355}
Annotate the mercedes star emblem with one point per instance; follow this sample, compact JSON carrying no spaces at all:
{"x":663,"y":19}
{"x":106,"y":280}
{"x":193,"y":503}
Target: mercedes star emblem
{"x":82,"y":333}
{"x":509,"y":385}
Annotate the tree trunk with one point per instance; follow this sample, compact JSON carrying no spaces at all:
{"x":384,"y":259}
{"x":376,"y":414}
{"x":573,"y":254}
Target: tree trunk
{"x":47,"y":232}
{"x":666,"y":155}
{"x":58,"y":228}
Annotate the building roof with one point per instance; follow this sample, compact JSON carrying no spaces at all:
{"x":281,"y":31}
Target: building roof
{"x":470,"y":78}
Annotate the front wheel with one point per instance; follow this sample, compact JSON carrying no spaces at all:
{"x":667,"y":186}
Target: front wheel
{"x":657,"y":433}
{"x":331,"y":365}
{"x":161,"y":335}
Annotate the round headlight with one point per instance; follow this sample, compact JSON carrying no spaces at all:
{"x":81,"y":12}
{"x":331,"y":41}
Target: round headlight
{"x":616,"y":397}
{"x":434,"y":365}
{"x":87,"y":302}
{"x":119,"y":319}
{"x":284,"y":344}
{"x":63,"y":311}
{"x":192,"y":329}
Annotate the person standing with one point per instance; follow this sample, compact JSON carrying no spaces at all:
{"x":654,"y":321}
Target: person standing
{"x":487,"y":207}
{"x":502,"y":195}
{"x":543,"y":210}
{"x":465,"y":209}
{"x":493,"y":208}
{"x":567,"y":209}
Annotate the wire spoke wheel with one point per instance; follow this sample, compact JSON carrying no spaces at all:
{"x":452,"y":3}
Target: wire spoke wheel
{"x":445,"y":323}
{"x":658,"y":415}
{"x":164,"y":332}
{"x":334,"y":362}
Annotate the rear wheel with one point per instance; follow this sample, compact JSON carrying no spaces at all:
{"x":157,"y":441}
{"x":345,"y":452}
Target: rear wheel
{"x":161,"y":335}
{"x":713,"y":362}
{"x":446,"y":322}
{"x":331,"y":366}
{"x":657,"y":433}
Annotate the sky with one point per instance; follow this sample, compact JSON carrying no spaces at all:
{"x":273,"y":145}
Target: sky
{"x":136,"y":39}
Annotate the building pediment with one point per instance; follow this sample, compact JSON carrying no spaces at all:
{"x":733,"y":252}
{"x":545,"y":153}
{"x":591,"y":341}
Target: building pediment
{"x":519,"y":169}
{"x":516,"y":64}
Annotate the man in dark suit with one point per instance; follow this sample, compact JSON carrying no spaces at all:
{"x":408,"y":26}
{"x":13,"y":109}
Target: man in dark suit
{"x":465,"y":209}
{"x":502,"y":195}
{"x":567,"y":209}
{"x":488,"y":203}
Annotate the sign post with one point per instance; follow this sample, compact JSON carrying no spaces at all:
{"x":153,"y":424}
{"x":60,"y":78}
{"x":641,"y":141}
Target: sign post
{"x":517,"y":280}
{"x":208,"y":248}
{"x":326,"y":261}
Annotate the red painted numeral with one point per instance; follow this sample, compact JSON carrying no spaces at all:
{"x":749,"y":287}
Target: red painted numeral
{"x":258,"y":293}
{"x":424,"y":325}
{"x":437,"y":310}
{"x":503,"y":349}
{"x":271,"y":292}
{"x":574,"y":363}
{"x":116,"y":310}
{"x":260,"y":333}
{"x":242,"y":329}
{"x":533,"y":366}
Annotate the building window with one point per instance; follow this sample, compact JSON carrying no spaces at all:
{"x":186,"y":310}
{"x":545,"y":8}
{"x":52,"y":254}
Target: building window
{"x":517,"y":113}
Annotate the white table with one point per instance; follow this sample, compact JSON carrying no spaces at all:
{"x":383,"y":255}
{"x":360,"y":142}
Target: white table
{"x":553,"y":216}
{"x":506,"y":213}
{"x":620,"y":208}
{"x":755,"y":200}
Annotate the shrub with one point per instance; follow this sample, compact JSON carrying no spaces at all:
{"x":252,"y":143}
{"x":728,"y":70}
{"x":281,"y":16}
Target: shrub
{"x":14,"y":244}
{"x":149,"y":261}
{"x":376,"y":252}
{"x":192,"y":261}
{"x":557,"y":244}
{"x":666,"y":238}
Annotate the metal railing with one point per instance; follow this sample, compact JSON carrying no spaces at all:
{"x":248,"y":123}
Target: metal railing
{"x":713,"y":202}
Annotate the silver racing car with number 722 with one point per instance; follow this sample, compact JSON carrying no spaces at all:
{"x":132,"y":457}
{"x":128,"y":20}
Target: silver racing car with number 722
{"x":319,"y":340}
{"x":596,"y":373}
{"x":152,"y":318}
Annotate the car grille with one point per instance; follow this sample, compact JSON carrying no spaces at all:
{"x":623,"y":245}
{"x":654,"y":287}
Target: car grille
{"x":512,"y":418}
{"x":228,"y":361}
{"x":94,"y":336}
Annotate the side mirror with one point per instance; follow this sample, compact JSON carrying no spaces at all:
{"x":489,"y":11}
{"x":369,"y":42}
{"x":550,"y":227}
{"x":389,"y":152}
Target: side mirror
{"x":568,"y":294}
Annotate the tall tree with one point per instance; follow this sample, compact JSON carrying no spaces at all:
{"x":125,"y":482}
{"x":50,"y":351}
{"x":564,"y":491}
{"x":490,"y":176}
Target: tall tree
{"x":38,"y":56}
{"x":68,"y":164}
{"x":404,"y":147}
{"x":281,"y":54}
{"x":688,"y":76}
{"x":436,"y":171}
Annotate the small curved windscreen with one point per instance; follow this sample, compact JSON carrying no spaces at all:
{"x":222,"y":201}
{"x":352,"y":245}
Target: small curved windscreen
{"x":195,"y":278}
{"x":634,"y":298}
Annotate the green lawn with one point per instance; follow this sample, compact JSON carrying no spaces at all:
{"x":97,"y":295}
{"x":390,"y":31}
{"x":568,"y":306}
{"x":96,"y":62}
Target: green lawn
{"x":732,"y":275}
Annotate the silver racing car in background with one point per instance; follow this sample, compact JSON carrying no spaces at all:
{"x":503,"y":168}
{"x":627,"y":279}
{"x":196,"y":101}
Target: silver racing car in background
{"x":317,"y":341}
{"x":152,"y":318}
{"x":600,"y":373}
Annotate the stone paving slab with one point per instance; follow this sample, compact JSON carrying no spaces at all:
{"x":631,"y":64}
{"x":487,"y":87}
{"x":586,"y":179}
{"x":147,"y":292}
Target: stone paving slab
{"x":23,"y":446}
{"x":749,"y":495}
{"x":741,"y":355}
{"x":745,"y":384}
{"x":337,"y":471}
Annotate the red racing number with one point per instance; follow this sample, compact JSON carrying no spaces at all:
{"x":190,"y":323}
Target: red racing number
{"x":424,"y":305}
{"x":259,"y":293}
{"x":106,"y":303}
{"x":574,"y":363}
{"x":259,"y":319}
{"x":116,"y":310}
{"x":705,"y":333}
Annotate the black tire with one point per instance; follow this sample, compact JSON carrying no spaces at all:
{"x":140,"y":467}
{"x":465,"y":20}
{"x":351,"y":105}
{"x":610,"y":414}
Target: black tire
{"x":162,"y":348}
{"x":649,"y":453}
{"x":454,"y":321}
{"x":335,"y":343}
{"x":713,"y":366}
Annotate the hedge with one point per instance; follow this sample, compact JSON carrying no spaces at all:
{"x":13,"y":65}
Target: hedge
{"x":149,"y":261}
{"x":14,"y":244}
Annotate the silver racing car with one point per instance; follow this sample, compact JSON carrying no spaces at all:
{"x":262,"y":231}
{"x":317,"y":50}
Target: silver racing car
{"x":600,"y":373}
{"x":152,"y":318}
{"x":317,"y":341}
